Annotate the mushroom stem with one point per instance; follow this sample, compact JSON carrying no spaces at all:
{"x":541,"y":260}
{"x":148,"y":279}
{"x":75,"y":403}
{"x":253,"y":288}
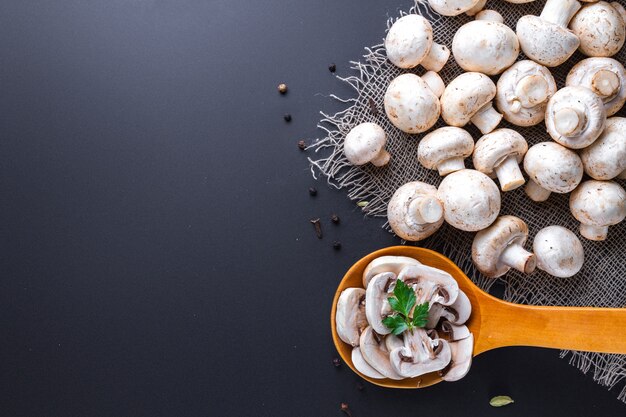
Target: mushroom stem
{"x":569,"y":121}
{"x":450,"y":165}
{"x":426,"y":209}
{"x":605,"y":83}
{"x":519,"y":258}
{"x":509,"y":174}
{"x":536,"y":192}
{"x":436,"y":58}
{"x":591,"y":232}
{"x":560,"y":12}
{"x":381,"y":159}
{"x":434,"y":82}
{"x":486,"y":119}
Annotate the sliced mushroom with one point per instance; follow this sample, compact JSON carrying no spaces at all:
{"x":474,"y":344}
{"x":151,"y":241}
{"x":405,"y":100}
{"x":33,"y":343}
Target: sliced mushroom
{"x":392,"y":341}
{"x":362,"y":366}
{"x":575,"y":117}
{"x":375,"y":353}
{"x":500,"y":247}
{"x":545,"y":39}
{"x":414,"y":212}
{"x":350,"y":317}
{"x":558,"y":251}
{"x":409,"y":43}
{"x":501,"y":151}
{"x":377,"y":306}
{"x":471,"y":200}
{"x":456,"y":313}
{"x":551,"y":168}
{"x":444,"y":149}
{"x":468,"y":98}
{"x":411,"y":103}
{"x":453,"y":332}
{"x":605,"y":158}
{"x":600,"y":28}
{"x":382,"y":264}
{"x":452,"y":7}
{"x":598,"y":205}
{"x":420,"y":355}
{"x":366,"y":143}
{"x":461,"y":359}
{"x":430,"y":284}
{"x":523,"y":92}
{"x":603,"y":76}
{"x":485,"y":45}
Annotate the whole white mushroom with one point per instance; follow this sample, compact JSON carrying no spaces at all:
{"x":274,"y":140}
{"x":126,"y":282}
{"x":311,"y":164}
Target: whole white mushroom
{"x":600,"y":28}
{"x":409,"y":43}
{"x":414,"y":211}
{"x":598,"y":205}
{"x":445,"y":149}
{"x":603,"y":76}
{"x":605,"y":159}
{"x":551,"y":168}
{"x":471,"y":200}
{"x":500,"y":152}
{"x":558,"y":251}
{"x":366,"y":143}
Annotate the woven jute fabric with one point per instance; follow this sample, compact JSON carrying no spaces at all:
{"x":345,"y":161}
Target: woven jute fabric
{"x":602,"y":280}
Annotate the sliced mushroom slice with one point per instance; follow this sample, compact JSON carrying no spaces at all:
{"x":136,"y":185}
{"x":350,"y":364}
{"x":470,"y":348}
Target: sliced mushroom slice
{"x":362,"y":366}
{"x":461,"y":360}
{"x":456,"y":313}
{"x":375,"y":353}
{"x":453,"y":332}
{"x":420,"y":355}
{"x":430,"y":284}
{"x":377,"y":306}
{"x":382,"y":264}
{"x":350,"y":317}
{"x":392,"y":341}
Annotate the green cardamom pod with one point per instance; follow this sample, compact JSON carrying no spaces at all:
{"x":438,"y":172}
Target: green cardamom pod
{"x":500,"y":401}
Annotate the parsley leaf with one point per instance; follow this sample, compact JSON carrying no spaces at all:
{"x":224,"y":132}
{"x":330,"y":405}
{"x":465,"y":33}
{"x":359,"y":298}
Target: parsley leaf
{"x":402,"y":303}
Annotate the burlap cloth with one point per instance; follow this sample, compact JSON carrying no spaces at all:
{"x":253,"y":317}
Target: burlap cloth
{"x":602,"y":280}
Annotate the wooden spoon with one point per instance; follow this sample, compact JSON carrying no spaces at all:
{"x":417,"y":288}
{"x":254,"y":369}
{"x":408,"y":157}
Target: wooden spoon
{"x":496,"y":323}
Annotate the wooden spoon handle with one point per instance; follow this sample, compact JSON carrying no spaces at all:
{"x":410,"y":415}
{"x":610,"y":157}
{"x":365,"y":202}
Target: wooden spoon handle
{"x":576,"y":328}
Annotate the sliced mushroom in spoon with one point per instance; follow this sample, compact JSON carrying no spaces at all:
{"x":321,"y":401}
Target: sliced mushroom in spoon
{"x":382,"y":264}
{"x":375,"y":353}
{"x":420,"y":354}
{"x":430,"y":284}
{"x":456,"y":313}
{"x":350,"y":317}
{"x":377,"y":306}
{"x":362,"y":366}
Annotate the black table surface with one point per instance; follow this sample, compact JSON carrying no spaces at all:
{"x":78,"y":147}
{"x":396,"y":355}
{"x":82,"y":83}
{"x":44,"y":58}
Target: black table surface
{"x":156,"y":253}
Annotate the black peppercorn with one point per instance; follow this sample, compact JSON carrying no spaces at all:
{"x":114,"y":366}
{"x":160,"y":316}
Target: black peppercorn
{"x":332,"y":68}
{"x":336,"y":245}
{"x":313,"y":191}
{"x":302,"y":144}
{"x":334,"y":218}
{"x":282,"y":88}
{"x":287,"y":117}
{"x":337,"y":362}
{"x":346,"y":409}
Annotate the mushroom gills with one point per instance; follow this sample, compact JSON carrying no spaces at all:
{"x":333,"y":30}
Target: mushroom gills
{"x":420,"y":355}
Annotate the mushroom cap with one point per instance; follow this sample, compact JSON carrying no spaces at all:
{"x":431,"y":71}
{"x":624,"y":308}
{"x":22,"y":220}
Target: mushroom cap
{"x":495,"y":147}
{"x":553,"y":167}
{"x":523,"y":91}
{"x":350,"y":317}
{"x":558,"y":251}
{"x":600,"y":28}
{"x":364,"y":142}
{"x":375,"y":353}
{"x":452,"y":7}
{"x":598,"y":203}
{"x":375,"y":300}
{"x":571,"y":107}
{"x":605,"y":77}
{"x":401,"y":211}
{"x":471,"y":200}
{"x":408,"y":41}
{"x":485,"y":46}
{"x":605,"y":158}
{"x":461,"y":359}
{"x":418,"y":356}
{"x":382,"y":264}
{"x":362,"y":366}
{"x":465,"y":96}
{"x":442,"y":144}
{"x":544,"y":42}
{"x":489,"y":244}
{"x":410,"y":104}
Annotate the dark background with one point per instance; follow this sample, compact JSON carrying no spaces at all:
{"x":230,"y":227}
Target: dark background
{"x":156,"y":254}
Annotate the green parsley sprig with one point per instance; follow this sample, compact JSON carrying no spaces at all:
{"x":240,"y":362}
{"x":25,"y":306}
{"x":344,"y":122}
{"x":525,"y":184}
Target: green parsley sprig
{"x":402,"y":303}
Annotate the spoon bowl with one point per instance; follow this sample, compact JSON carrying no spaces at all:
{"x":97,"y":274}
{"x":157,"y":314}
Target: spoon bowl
{"x":496,"y":323}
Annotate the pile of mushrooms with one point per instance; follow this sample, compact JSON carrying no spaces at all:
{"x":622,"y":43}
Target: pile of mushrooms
{"x":445,"y":345}
{"x":586,"y":139}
